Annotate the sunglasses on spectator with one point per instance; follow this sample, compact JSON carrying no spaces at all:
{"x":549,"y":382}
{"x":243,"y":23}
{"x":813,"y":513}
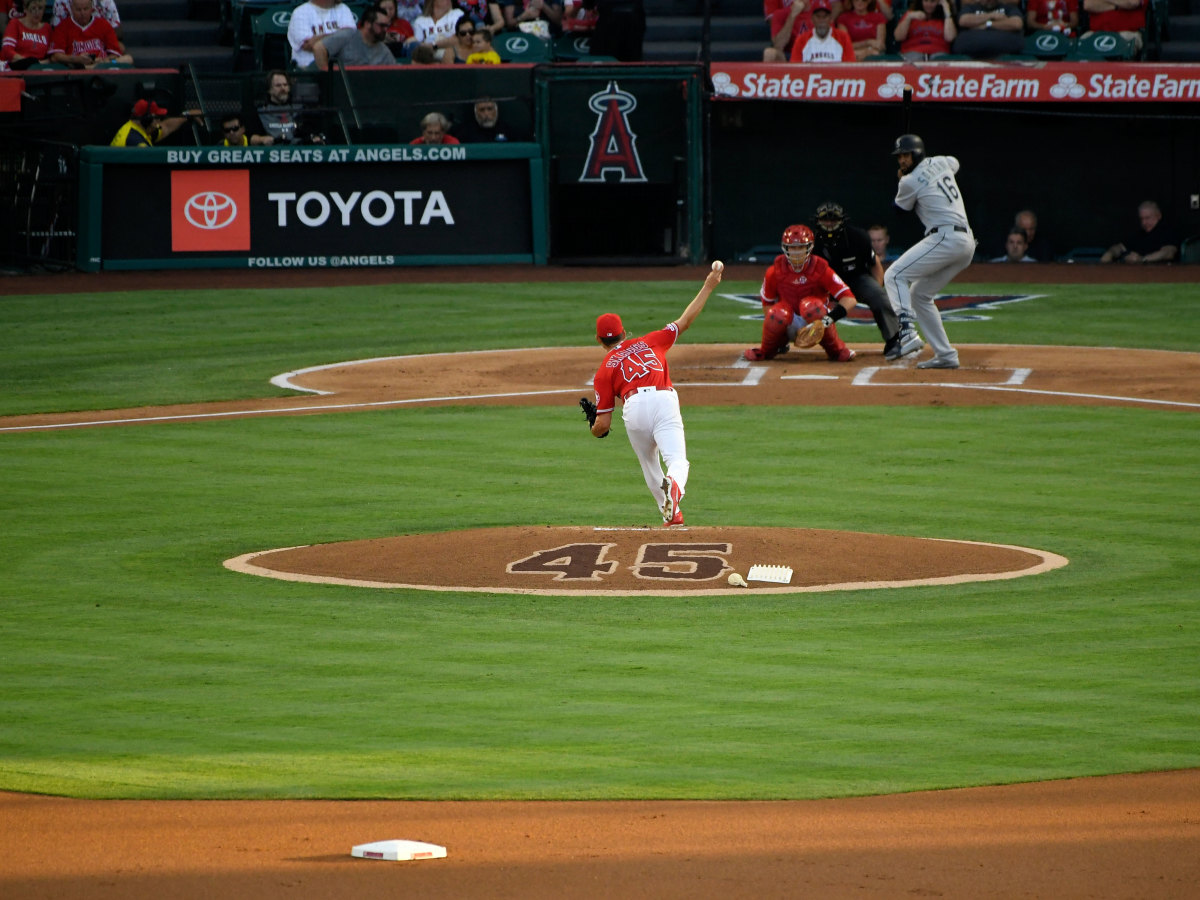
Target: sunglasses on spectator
{"x":466,"y":31}
{"x":229,"y":128}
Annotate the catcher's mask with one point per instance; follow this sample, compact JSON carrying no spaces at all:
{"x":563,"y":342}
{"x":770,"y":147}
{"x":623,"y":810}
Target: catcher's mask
{"x":797,"y":245}
{"x":831,"y":219}
{"x":910,"y":143}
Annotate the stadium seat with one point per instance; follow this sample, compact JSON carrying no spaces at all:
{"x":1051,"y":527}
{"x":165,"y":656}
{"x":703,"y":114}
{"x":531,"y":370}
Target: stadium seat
{"x":1102,"y":45}
{"x":271,"y":48}
{"x":1189,"y":252}
{"x":1048,"y":45}
{"x":519,"y":47}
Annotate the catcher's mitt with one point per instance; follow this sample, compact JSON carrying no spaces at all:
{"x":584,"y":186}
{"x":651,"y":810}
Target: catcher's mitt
{"x":589,"y":412}
{"x":810,"y":334}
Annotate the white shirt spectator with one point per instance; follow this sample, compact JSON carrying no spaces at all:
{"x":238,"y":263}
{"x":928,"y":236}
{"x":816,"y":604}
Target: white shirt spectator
{"x":427,"y":31}
{"x":311,"y":19}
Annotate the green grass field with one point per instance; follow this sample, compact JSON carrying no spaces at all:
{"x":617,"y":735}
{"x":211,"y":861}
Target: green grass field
{"x":134,"y":665}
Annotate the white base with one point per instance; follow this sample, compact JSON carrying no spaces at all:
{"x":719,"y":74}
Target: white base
{"x":398,"y":850}
{"x":777,"y":574}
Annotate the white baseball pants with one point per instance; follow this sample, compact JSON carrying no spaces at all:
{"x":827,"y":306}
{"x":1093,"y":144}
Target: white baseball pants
{"x":655,"y":427}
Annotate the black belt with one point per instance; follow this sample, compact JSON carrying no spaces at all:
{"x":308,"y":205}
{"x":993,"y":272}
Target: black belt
{"x":937,"y":228}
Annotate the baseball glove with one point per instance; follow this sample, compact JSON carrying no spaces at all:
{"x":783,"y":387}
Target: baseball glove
{"x":589,"y":412}
{"x":810,"y":334}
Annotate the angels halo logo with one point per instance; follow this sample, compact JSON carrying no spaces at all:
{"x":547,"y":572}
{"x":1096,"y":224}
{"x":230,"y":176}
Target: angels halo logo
{"x":210,"y":210}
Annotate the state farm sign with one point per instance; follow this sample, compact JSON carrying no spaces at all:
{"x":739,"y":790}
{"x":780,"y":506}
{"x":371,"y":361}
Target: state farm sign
{"x":1016,"y":82}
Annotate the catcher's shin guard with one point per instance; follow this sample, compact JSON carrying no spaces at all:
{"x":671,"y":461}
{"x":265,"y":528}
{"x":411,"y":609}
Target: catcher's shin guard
{"x":775,"y":329}
{"x":835,"y":348}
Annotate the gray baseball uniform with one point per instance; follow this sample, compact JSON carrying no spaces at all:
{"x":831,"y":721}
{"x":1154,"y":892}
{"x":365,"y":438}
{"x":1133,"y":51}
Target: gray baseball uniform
{"x":915,"y":278}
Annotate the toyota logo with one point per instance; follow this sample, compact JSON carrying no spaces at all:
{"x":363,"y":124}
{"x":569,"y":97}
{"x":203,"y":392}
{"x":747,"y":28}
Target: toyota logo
{"x":210,"y":210}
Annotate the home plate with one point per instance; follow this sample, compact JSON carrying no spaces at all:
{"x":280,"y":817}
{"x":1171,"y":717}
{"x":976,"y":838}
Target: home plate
{"x":399,"y":850}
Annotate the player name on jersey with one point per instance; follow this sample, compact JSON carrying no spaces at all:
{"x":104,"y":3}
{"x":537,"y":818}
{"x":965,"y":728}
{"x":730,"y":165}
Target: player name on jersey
{"x":1050,"y":82}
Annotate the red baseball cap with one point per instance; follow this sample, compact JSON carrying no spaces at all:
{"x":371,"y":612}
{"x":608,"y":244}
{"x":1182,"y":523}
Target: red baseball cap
{"x":609,"y":326}
{"x":148,"y":106}
{"x":826,"y":5}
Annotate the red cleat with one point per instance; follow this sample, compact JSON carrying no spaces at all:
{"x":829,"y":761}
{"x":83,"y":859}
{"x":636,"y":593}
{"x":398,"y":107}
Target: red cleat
{"x":843,"y":355}
{"x":671,"y":513}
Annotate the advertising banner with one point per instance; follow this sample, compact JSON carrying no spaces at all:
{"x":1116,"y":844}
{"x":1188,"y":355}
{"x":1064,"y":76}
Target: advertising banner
{"x":959,"y":82}
{"x":316,"y":207}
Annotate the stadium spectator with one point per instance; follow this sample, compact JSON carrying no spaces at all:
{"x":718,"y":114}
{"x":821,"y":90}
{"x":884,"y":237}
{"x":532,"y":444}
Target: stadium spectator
{"x":577,"y":18}
{"x":283,"y":119}
{"x":399,"y":28}
{"x":464,"y":41}
{"x":879,"y":242}
{"x":484,"y":126}
{"x":311,"y":22}
{"x":27,"y":39}
{"x":1053,"y":15}
{"x":435,"y":129}
{"x":1039,"y":246}
{"x":1156,"y":242}
{"x":365,"y":45}
{"x":823,"y":43}
{"x":233,"y":133}
{"x":482,"y":52}
{"x":105,"y":9}
{"x":1015,"y":248}
{"x":787,"y":20}
{"x":1126,"y":17}
{"x":926,"y":30}
{"x":540,"y":17}
{"x":148,"y":125}
{"x":866,"y":25}
{"x":435,"y":27}
{"x":988,"y":28}
{"x":483,"y":14}
{"x":83,"y":39}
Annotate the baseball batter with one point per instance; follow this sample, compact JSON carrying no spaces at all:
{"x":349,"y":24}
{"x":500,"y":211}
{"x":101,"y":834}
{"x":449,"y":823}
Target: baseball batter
{"x":636,"y":371}
{"x":795,"y":277}
{"x":927,"y":186}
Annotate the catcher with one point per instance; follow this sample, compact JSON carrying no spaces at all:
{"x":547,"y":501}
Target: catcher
{"x":636,"y":371}
{"x":802,"y":299}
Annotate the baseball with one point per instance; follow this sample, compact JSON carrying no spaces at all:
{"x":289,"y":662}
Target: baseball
{"x":718,"y":266}
{"x":737,"y":580}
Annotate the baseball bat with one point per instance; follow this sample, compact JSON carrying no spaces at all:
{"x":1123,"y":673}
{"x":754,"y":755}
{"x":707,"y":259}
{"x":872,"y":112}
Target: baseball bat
{"x":907,"y":109}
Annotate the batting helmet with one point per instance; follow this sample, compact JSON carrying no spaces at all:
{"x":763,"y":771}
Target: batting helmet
{"x":812,"y":309}
{"x":830,"y":219}
{"x":797,"y":244}
{"x":910,"y":143}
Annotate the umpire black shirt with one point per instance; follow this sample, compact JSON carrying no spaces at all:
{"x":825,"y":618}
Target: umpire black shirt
{"x":849,"y":253}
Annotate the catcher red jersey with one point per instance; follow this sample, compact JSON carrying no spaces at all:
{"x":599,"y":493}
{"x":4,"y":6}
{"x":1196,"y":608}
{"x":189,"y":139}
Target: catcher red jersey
{"x":815,"y":279}
{"x":634,"y":364}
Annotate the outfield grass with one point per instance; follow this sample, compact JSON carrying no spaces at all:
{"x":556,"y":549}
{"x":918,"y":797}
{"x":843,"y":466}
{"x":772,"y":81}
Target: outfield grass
{"x":134,"y":665}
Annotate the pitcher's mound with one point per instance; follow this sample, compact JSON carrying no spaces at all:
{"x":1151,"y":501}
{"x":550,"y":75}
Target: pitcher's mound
{"x":644,"y":561}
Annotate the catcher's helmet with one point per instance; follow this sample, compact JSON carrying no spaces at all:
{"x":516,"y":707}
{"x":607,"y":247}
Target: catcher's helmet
{"x":910,"y":143}
{"x":797,"y":244}
{"x":830,"y":219}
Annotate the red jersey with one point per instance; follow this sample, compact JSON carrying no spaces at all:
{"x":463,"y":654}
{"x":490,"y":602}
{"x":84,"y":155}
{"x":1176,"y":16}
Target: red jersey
{"x":926,"y":36}
{"x":26,"y":42}
{"x":815,"y":279}
{"x":1118,"y":19}
{"x":1062,"y":9}
{"x":96,"y":38}
{"x":834,"y":47}
{"x":634,"y":364}
{"x":864,"y":27}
